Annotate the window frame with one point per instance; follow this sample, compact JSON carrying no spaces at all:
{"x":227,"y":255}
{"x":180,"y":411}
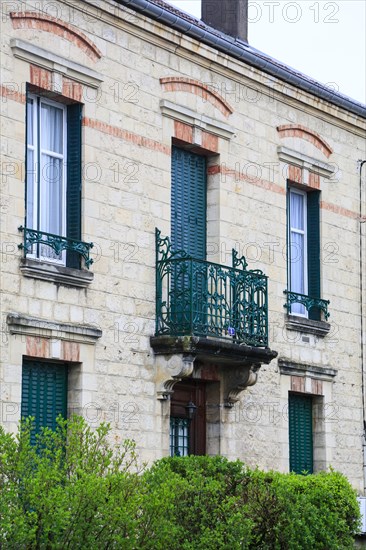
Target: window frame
{"x":37,"y":191}
{"x":293,"y":190}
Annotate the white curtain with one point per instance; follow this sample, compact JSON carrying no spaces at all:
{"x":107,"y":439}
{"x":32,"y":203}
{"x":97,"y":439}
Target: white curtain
{"x":297,"y":248}
{"x":51,"y":176}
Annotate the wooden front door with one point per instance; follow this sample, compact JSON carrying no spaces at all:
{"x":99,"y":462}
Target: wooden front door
{"x":188,"y":436}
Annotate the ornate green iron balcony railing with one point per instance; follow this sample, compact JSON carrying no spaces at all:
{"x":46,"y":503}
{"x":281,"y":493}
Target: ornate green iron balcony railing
{"x":201,"y":298}
{"x":307,"y":301}
{"x":34,"y":239}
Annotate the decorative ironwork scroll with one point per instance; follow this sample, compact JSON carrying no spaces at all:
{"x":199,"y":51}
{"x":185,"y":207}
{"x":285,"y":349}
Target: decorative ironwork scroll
{"x":34,"y":239}
{"x":307,"y":301}
{"x":197,"y":297}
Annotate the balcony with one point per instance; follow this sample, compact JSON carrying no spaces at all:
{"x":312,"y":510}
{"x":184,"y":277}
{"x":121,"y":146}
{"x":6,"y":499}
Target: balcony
{"x":211,"y":321}
{"x":201,"y":298}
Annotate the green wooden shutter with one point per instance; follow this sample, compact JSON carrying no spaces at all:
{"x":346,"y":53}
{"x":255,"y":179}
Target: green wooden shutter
{"x":300,"y":433}
{"x":313,"y":237}
{"x":73,"y":196}
{"x":288,"y":238}
{"x":188,"y":205}
{"x":44,"y":393}
{"x":188,"y":233}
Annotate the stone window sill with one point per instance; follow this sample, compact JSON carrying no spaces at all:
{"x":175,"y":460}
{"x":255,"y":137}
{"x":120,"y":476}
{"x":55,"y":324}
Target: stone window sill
{"x":56,"y":273}
{"x":308,"y":326}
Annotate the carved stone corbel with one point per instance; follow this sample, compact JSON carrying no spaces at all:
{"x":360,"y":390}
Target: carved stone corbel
{"x":237,"y":380}
{"x":172,"y":371}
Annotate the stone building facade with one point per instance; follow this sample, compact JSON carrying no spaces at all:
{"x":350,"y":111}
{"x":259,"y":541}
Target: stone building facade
{"x":167,"y":143}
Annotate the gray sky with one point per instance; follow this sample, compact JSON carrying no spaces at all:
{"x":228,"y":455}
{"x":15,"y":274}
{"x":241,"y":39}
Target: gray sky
{"x":325,"y":40}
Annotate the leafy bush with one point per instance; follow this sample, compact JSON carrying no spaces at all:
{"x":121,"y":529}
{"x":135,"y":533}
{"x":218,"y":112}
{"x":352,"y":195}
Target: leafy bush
{"x":222,"y":504}
{"x":74,"y":489}
{"x":205,"y":512}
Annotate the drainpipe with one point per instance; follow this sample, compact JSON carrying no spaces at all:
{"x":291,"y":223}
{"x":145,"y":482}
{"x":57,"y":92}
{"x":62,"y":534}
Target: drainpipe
{"x":361,"y":164}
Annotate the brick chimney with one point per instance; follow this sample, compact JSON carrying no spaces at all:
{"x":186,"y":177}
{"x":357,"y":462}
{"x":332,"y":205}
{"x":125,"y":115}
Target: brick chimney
{"x":228,"y":16}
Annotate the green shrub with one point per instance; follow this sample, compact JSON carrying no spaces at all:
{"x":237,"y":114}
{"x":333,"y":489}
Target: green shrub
{"x":316,"y":511}
{"x":205,"y":512}
{"x":74,"y":489}
{"x":222,"y":504}
{"x":76,"y":492}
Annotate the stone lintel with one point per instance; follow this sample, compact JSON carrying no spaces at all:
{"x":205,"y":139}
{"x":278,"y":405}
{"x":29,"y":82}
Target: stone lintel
{"x":51,"y":61}
{"x":324,"y":169}
{"x":196,"y":120}
{"x":31,"y":326}
{"x":291,"y":368}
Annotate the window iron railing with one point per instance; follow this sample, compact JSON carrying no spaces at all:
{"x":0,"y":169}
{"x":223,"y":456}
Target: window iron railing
{"x":34,"y":238}
{"x":202,"y":298}
{"x":307,"y":301}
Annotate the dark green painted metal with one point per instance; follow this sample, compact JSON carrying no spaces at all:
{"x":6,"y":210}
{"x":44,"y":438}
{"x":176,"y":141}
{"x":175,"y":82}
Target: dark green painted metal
{"x":179,"y":436}
{"x":308,"y":301}
{"x":56,"y":242}
{"x":44,"y":393}
{"x":313,"y":237}
{"x":196,"y":297}
{"x":288,"y":236}
{"x":301,"y":433}
{"x":73,"y":193}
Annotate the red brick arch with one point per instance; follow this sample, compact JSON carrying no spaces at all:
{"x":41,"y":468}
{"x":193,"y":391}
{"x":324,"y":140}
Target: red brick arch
{"x":297,"y":130}
{"x":41,"y":22}
{"x":177,"y":84}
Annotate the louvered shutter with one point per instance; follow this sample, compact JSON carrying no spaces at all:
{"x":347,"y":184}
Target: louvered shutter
{"x":313,"y":224}
{"x":301,"y":433}
{"x":188,"y":206}
{"x":188,"y":233}
{"x":73,"y":196}
{"x":44,"y":393}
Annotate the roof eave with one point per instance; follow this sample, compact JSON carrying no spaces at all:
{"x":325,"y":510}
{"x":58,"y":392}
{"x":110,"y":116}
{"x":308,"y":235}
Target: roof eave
{"x":211,"y":37}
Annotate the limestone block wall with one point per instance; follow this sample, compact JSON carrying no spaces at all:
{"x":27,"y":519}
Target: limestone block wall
{"x":127,"y":66}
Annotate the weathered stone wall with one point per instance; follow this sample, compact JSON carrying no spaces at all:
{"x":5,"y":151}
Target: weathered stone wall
{"x":126,"y":194}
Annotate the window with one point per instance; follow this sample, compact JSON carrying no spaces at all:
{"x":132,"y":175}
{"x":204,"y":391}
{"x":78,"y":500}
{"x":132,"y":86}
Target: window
{"x":297,"y":247}
{"x":46,"y":179}
{"x":300,"y":416}
{"x":179,"y":436}
{"x":53,"y":187}
{"x":303,"y":240}
{"x":44,"y":393}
